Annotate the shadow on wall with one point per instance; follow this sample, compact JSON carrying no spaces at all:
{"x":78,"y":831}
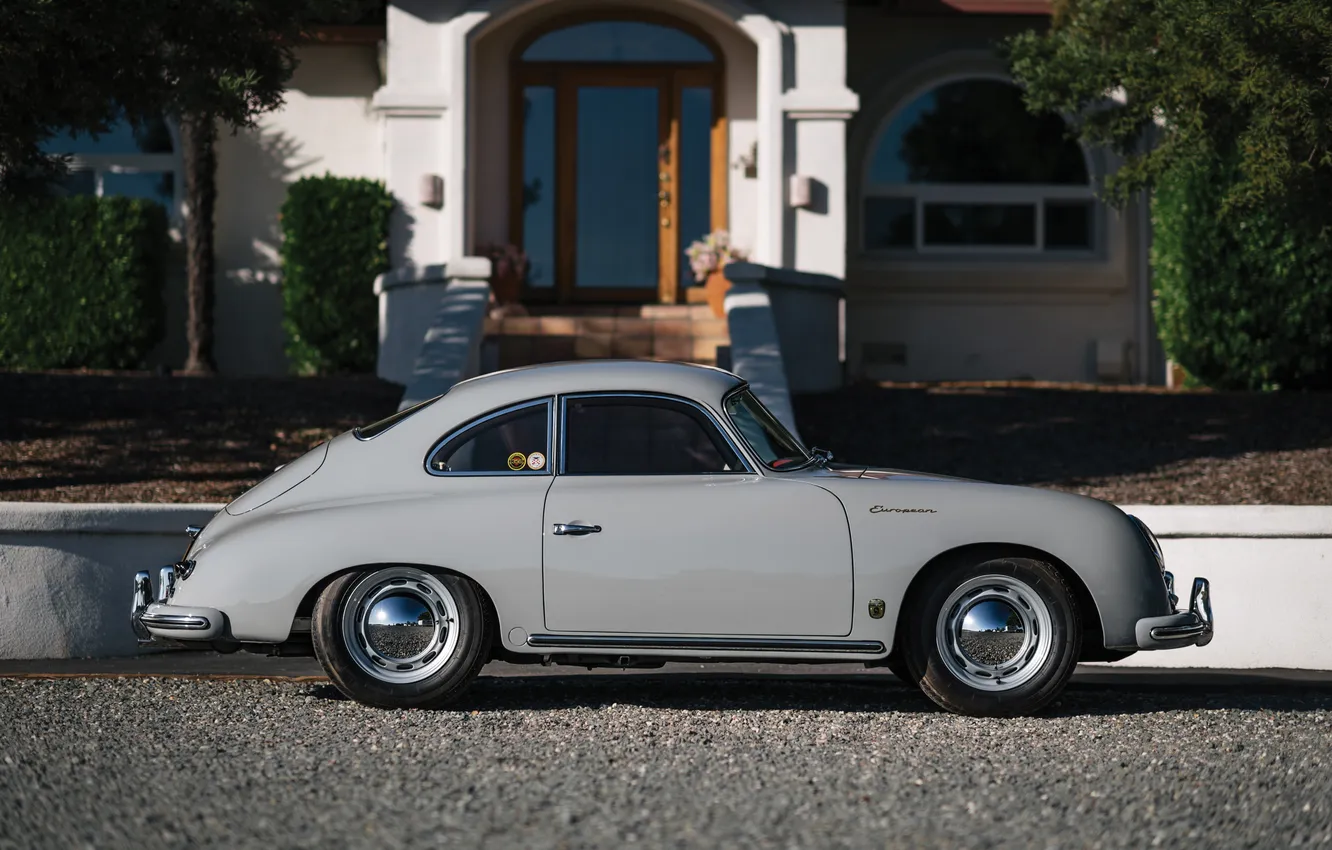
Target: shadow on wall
{"x":255,"y":167}
{"x":1067,"y":437}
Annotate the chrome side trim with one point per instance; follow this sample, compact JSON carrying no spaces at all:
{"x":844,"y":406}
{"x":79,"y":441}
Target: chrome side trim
{"x":703,"y":643}
{"x":480,"y":420}
{"x":716,"y":423}
{"x":186,"y":622}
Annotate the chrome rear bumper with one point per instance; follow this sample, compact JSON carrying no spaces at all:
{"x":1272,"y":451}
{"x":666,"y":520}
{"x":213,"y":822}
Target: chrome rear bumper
{"x":154,"y":620}
{"x":1194,"y":627}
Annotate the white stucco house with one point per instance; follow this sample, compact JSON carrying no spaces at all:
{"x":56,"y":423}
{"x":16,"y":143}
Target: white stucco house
{"x":875,"y":141}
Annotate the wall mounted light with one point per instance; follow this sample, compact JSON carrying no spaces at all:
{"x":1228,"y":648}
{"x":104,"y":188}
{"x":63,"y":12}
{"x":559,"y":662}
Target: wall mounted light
{"x":431,"y":191}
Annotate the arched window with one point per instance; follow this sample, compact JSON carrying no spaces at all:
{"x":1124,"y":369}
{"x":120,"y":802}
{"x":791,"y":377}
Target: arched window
{"x":617,"y":41}
{"x":965,"y":168}
{"x":132,"y":160}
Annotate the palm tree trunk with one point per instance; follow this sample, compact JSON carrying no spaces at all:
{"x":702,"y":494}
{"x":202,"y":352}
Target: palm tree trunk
{"x":198,"y":135}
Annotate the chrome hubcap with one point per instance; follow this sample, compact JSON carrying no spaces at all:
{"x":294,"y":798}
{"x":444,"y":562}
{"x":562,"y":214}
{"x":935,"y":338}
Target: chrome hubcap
{"x":400,"y":625}
{"x":994,"y":633}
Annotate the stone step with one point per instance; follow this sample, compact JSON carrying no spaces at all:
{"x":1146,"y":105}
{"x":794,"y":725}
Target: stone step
{"x":683,"y":332}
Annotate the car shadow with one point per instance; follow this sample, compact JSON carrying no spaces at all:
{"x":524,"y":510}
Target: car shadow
{"x":868,"y":693}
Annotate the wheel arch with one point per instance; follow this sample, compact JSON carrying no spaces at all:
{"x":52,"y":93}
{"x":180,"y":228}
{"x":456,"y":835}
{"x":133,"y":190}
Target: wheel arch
{"x":307,"y":604}
{"x":1092,"y":629}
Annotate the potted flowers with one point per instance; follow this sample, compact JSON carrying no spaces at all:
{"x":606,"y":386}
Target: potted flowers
{"x":707,"y":257}
{"x":508,"y":272}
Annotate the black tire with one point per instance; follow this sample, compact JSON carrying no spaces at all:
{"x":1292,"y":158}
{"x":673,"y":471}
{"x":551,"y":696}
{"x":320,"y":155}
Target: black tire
{"x":450,"y":680}
{"x":897,"y":665}
{"x":1051,"y":641}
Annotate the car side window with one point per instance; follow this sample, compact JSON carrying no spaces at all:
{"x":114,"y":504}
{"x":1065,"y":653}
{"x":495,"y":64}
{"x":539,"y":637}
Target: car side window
{"x":633,"y":435}
{"x":515,"y":441}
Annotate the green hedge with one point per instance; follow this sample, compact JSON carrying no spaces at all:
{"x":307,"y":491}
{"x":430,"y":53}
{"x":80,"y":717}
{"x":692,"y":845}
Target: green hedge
{"x":335,"y":241}
{"x":1244,"y":296}
{"x":81,"y":282}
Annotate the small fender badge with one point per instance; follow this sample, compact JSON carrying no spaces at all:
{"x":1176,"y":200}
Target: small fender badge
{"x":517,"y":461}
{"x":536,"y":460}
{"x":876,"y":609}
{"x":880,"y":509}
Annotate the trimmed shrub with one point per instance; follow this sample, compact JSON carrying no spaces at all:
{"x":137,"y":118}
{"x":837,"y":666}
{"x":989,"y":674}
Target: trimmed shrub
{"x":335,"y":241}
{"x":81,"y":282}
{"x":1243,"y":295}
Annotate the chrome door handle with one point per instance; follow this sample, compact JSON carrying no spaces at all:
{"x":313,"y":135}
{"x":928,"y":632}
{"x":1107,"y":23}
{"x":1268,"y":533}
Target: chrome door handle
{"x":575,"y":529}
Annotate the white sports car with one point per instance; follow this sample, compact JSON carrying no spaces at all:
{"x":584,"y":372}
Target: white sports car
{"x":627,"y":513}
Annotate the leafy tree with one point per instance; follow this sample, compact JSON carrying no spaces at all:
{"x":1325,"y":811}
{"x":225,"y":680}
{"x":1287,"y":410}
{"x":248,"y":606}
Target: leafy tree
{"x":1248,"y":78}
{"x":81,"y":64}
{"x":1224,"y":109}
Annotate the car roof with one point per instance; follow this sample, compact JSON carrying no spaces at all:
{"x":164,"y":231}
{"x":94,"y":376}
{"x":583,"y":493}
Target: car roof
{"x":689,"y":380}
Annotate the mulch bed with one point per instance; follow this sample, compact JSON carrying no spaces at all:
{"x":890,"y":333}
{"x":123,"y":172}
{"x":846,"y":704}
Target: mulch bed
{"x":1126,"y":445}
{"x":104,"y":437}
{"x":79,"y":437}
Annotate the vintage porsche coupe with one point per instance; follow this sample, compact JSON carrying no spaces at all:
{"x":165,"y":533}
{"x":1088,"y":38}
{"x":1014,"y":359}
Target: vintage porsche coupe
{"x":629,"y":513}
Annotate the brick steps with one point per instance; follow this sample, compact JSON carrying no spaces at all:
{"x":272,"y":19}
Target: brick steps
{"x":687,"y":332}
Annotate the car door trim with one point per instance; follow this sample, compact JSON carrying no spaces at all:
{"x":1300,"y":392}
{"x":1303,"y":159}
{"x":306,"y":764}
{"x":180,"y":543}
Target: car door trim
{"x":704,"y":644}
{"x":711,"y":417}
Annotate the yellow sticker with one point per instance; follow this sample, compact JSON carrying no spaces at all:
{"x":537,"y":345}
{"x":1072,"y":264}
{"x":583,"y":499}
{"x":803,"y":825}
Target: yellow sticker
{"x":536,"y":460}
{"x":517,"y":461}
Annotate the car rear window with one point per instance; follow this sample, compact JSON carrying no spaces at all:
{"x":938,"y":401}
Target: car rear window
{"x":374,"y":429}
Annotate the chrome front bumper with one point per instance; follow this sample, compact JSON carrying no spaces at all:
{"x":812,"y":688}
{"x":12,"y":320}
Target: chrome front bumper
{"x":155,"y":620}
{"x":1183,"y":628}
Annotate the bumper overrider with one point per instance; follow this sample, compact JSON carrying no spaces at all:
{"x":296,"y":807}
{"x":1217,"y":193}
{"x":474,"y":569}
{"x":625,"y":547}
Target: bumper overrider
{"x":1193,"y":627}
{"x":155,"y":620}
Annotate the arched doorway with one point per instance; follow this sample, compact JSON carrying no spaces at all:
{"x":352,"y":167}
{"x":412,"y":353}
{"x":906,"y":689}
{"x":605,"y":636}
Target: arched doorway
{"x":619,"y":156}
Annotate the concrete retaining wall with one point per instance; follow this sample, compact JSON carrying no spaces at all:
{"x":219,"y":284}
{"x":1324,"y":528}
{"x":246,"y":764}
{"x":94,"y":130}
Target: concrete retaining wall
{"x":65,"y":572}
{"x":65,"y":575}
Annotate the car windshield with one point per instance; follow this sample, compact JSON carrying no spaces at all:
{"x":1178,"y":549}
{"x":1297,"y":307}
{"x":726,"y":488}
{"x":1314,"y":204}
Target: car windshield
{"x":365,"y":432}
{"x":768,"y":438}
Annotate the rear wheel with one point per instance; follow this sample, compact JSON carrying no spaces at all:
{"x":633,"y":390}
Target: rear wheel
{"x":401,"y":637}
{"x":998,"y":638}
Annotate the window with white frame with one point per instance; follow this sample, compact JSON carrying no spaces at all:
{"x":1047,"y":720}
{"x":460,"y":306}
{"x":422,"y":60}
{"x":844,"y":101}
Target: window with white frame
{"x":131,"y":160}
{"x":965,"y":168}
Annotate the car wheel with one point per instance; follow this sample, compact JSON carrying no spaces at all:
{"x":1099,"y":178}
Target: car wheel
{"x":995,"y":639}
{"x":897,"y":665}
{"x":401,"y":637}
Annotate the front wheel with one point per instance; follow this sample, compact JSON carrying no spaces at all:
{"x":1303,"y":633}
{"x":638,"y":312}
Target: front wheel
{"x":401,"y":637}
{"x":995,"y":639}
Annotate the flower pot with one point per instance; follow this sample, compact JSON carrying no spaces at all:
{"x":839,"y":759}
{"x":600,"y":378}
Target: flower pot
{"x":716,"y":287}
{"x":507,"y":288}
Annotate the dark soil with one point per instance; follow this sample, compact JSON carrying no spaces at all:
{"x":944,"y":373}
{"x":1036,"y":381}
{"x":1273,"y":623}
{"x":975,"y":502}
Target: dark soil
{"x":78,"y":437}
{"x":1128,"y":446}
{"x":71,"y":437}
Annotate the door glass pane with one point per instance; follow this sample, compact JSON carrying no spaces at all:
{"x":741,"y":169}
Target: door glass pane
{"x":515,"y":441}
{"x":617,"y":41}
{"x":695,"y":198}
{"x":997,"y":225}
{"x":636,"y":436}
{"x":616,"y":164}
{"x":539,"y":184}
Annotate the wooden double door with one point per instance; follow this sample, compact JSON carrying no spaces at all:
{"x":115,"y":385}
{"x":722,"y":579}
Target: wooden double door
{"x":617,"y":169}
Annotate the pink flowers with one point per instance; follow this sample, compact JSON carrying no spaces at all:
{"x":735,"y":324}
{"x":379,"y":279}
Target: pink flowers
{"x":711,"y":253}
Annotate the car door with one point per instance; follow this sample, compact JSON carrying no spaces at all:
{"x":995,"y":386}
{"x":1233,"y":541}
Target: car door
{"x":656,"y":523}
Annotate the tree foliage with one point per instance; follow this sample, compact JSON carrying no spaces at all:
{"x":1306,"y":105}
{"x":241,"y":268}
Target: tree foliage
{"x":1249,"y":80}
{"x":77,"y":64}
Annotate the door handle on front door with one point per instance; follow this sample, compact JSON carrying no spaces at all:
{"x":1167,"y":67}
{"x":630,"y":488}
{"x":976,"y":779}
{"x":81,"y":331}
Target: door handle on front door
{"x":575,"y":529}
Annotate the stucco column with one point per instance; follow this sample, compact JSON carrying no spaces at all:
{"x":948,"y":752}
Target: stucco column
{"x":817,"y":110}
{"x":413,"y":105}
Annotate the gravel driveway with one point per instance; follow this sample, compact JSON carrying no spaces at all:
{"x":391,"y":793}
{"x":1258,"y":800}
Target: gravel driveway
{"x":609,"y":761}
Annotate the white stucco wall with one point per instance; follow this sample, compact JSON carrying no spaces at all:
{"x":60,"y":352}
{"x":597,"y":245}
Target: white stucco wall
{"x":982,"y":317}
{"x":327,"y":125}
{"x":66,"y":570}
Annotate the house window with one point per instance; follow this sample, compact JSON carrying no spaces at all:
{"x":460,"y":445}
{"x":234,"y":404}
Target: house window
{"x":965,"y":168}
{"x":131,"y":160}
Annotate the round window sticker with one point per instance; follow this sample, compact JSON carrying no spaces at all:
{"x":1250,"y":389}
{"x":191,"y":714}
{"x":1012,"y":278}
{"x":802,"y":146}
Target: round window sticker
{"x":536,"y":460}
{"x":517,"y":461}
